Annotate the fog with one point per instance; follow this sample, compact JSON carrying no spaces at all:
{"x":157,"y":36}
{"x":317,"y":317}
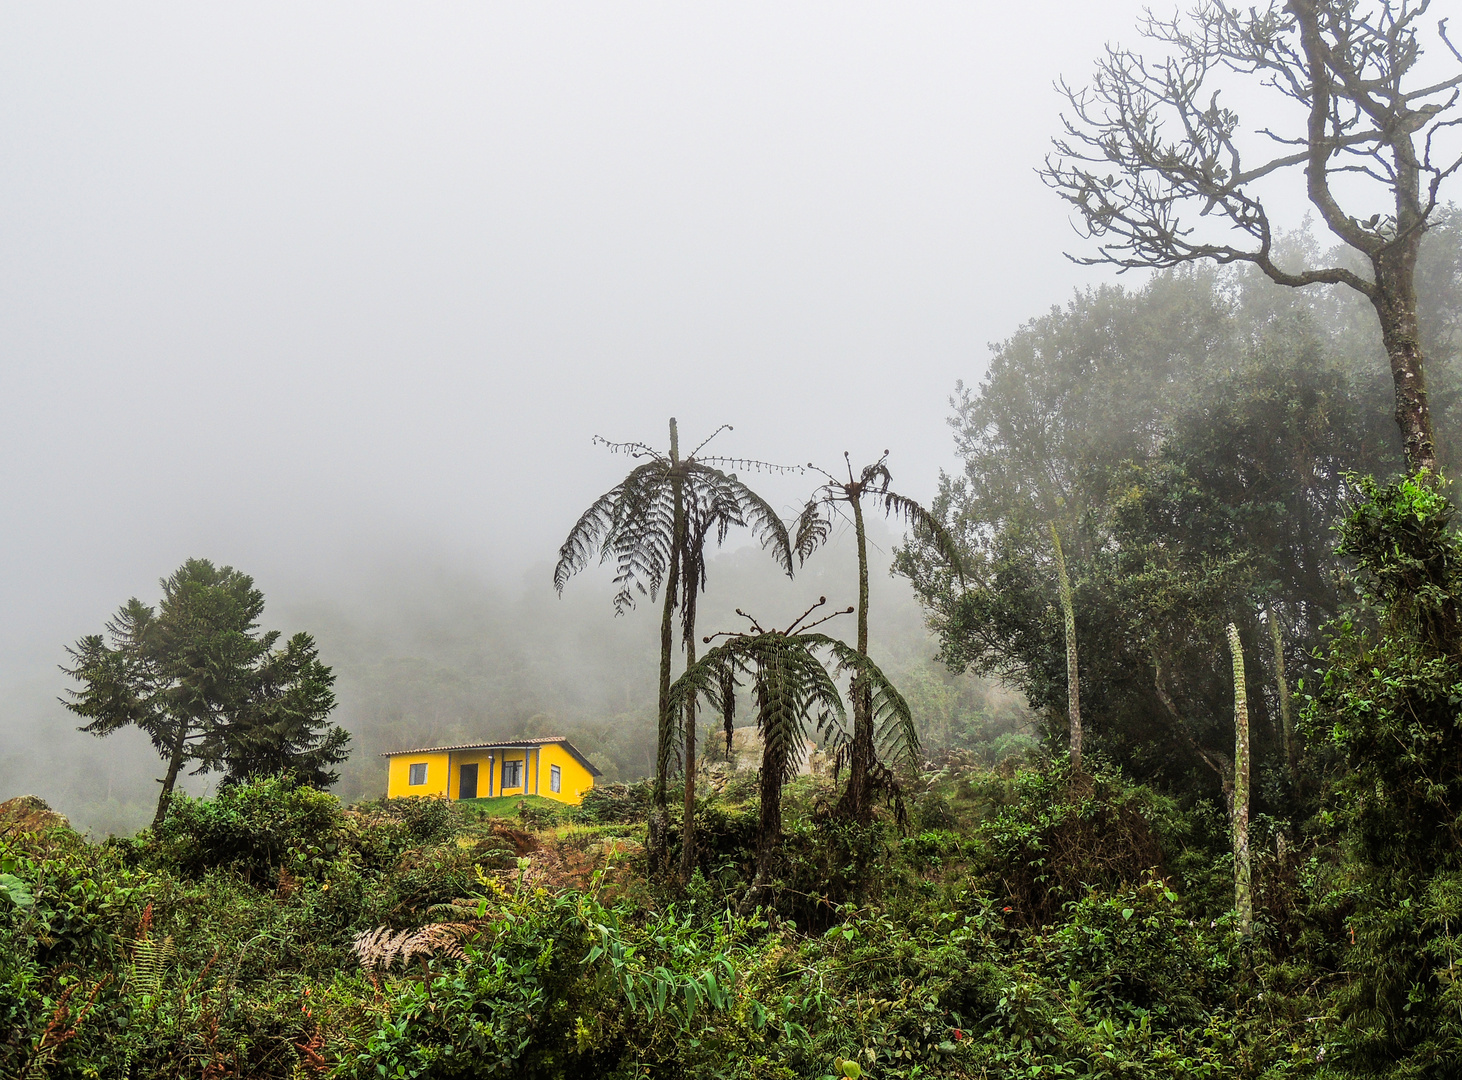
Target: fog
{"x":338,"y":295}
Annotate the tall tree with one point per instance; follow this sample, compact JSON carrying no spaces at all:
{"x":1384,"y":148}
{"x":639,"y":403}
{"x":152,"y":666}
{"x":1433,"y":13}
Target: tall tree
{"x":1387,"y":711}
{"x":199,"y":679}
{"x":1286,"y":718}
{"x":1068,"y":623}
{"x":284,"y":727}
{"x":1198,"y":432}
{"x":1161,"y":173}
{"x":794,"y":695}
{"x":865,"y":773}
{"x":647,"y":524}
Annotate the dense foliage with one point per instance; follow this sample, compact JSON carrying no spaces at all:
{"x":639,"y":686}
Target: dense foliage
{"x":1193,"y":440}
{"x":1030,"y":921}
{"x":1026,"y":923}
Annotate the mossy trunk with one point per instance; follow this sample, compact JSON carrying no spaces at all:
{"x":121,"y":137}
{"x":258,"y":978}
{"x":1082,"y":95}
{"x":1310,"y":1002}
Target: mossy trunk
{"x":1073,"y":682}
{"x":856,"y":804}
{"x":1243,"y":880}
{"x":659,"y":823}
{"x":1286,"y":721}
{"x":1395,"y":304}
{"x":687,"y":830}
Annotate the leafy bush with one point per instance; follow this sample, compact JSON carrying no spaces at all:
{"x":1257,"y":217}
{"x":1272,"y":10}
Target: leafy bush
{"x":1066,"y":833}
{"x":425,"y":820}
{"x":256,"y":828}
{"x":1388,"y":709}
{"x":617,"y":803}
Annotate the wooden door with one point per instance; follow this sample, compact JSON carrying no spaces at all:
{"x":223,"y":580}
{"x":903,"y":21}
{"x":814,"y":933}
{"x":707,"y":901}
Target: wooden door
{"x":467,"y":787}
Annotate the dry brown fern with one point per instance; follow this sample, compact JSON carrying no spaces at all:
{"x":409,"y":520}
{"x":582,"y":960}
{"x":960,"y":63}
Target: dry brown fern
{"x":63,"y":1027}
{"x":379,"y":949}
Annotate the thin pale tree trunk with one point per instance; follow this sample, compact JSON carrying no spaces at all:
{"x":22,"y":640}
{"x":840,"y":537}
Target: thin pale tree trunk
{"x":1291,"y":754}
{"x":1073,"y":683}
{"x":1243,"y":880}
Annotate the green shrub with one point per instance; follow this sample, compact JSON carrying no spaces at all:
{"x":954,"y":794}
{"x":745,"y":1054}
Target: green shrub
{"x":607,"y":804}
{"x":425,"y":820}
{"x":1388,"y":710}
{"x":255,"y":828}
{"x":1066,"y":833}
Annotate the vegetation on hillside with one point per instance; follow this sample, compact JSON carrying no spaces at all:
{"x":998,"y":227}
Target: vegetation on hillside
{"x":1235,"y":850}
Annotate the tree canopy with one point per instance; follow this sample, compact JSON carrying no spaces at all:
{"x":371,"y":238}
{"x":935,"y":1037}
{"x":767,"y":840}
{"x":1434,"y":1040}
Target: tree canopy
{"x":197,"y":676}
{"x":1162,"y":170}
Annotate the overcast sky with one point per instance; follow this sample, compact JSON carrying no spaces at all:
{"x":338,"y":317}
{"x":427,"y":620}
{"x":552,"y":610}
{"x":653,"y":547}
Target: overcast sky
{"x":317,"y":289}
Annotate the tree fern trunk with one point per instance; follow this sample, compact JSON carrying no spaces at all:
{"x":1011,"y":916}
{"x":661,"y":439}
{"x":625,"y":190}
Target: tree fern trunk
{"x":770,"y":707}
{"x":1243,"y":882}
{"x":1291,"y":756}
{"x":856,"y":804}
{"x":659,"y":809}
{"x":1073,"y":683}
{"x":687,"y":831}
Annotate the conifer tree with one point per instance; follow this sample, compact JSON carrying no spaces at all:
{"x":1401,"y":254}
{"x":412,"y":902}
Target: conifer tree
{"x":206,"y":687}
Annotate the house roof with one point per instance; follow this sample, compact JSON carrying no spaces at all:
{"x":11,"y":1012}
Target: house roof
{"x":510,"y":744}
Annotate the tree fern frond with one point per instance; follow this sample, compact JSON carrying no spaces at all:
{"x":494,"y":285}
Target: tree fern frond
{"x":926,"y":524}
{"x":768,"y":525}
{"x":379,"y":949}
{"x":586,"y":537}
{"x":813,"y":527}
{"x":876,"y":477}
{"x":726,"y":680}
{"x":895,"y":734}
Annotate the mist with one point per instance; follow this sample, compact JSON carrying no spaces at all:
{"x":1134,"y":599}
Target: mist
{"x":339,"y":294}
{"x":432,"y":655}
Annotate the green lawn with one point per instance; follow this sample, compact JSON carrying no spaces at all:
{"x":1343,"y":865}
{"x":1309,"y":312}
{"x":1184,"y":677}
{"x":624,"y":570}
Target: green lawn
{"x":507,"y":805}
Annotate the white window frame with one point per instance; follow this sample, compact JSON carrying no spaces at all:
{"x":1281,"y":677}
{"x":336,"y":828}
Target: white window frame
{"x":412,"y":774}
{"x":555,"y":778}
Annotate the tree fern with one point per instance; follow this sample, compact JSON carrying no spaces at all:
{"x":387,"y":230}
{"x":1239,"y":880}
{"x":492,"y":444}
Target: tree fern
{"x":654,"y":526}
{"x":879,"y":725}
{"x":795,"y":696}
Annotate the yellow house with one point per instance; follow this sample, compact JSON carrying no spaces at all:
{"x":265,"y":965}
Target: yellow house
{"x":551,"y":767}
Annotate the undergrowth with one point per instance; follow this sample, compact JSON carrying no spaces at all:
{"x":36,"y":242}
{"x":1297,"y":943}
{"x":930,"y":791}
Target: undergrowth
{"x":1027,"y":924}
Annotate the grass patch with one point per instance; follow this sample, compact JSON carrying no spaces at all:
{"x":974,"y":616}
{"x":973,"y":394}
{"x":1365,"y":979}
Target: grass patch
{"x":506,"y":806}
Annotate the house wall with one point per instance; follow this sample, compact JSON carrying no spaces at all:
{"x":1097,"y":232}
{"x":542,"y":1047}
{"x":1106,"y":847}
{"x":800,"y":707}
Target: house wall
{"x":576,"y":778}
{"x":536,"y":772}
{"x":399,"y":773}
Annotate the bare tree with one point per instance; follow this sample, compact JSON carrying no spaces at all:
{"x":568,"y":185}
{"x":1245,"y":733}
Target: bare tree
{"x":1149,"y":150}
